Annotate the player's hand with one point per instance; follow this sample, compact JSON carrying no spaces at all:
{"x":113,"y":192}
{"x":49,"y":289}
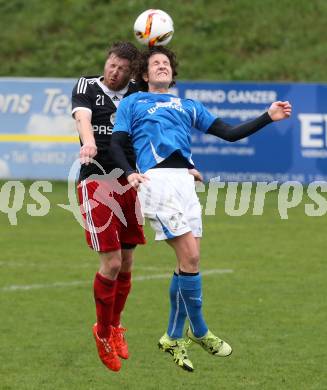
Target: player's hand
{"x":197,"y":175}
{"x":135,"y":179}
{"x":87,"y":152}
{"x":280,"y":110}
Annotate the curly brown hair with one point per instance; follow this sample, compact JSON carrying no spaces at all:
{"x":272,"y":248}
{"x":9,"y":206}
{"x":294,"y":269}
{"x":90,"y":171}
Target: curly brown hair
{"x":143,"y":62}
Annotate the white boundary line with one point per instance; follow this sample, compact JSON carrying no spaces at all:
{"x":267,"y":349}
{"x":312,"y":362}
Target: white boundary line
{"x":74,"y":283}
{"x":82,"y":264}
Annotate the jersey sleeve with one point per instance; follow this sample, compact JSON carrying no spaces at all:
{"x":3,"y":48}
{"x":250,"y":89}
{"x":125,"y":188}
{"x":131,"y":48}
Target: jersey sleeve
{"x":202,"y":118}
{"x":81,"y":99}
{"x":123,"y":117}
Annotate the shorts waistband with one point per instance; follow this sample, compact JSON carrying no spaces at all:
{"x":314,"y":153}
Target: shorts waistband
{"x":181,"y":171}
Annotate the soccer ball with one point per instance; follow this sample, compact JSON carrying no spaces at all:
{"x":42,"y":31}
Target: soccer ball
{"x":154,"y":27}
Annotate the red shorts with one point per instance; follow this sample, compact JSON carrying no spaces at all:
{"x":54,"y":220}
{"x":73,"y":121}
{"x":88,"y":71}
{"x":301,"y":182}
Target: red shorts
{"x":111,"y":214}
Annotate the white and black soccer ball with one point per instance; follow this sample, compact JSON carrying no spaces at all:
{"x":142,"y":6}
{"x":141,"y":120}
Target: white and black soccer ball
{"x":154,"y":27}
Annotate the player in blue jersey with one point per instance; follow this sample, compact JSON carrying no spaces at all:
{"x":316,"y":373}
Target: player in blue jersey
{"x":159,"y":125}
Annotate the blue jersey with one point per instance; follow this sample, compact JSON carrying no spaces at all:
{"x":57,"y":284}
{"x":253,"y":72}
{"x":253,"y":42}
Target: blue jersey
{"x":160,"y":124}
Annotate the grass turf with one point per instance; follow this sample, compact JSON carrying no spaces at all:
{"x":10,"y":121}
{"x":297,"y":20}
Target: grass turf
{"x":271,"y":309}
{"x":214,"y":39}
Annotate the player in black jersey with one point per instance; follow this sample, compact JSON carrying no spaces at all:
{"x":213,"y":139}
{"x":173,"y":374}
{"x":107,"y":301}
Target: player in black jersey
{"x":108,"y":203}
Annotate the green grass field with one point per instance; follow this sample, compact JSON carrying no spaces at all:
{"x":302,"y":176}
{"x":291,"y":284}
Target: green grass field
{"x":214,"y":39}
{"x":271,"y":307}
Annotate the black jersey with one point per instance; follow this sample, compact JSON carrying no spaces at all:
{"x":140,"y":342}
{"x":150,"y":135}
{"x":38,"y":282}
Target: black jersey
{"x":91,"y":94}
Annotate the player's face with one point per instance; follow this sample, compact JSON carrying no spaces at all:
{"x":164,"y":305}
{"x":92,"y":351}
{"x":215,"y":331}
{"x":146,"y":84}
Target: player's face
{"x":117,"y":72}
{"x":159,"y":72}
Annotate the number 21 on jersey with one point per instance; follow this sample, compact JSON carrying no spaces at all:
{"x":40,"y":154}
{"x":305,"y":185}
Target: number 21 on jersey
{"x":100,"y":100}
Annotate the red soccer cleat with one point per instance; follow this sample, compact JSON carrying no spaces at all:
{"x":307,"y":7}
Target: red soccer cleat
{"x":119,"y":341}
{"x":106,"y":351}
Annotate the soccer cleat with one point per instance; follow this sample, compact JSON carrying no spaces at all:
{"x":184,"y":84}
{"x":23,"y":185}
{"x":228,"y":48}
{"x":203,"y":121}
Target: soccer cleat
{"x":119,"y":341}
{"x":211,"y":343}
{"x":177,"y":348}
{"x":106,"y":351}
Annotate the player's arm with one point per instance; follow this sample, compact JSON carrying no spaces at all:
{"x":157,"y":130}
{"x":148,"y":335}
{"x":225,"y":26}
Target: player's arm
{"x":84,"y":127}
{"x":118,"y":140}
{"x":120,"y":137}
{"x":82,"y":113}
{"x":277,"y":111}
{"x":196,"y":174}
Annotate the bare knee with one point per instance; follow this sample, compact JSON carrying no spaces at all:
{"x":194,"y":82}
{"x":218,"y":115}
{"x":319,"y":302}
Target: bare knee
{"x":110,"y":264}
{"x":187,"y":250}
{"x":190,"y":262}
{"x":127,"y":260}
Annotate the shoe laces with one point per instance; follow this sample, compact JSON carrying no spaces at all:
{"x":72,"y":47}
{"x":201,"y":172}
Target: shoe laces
{"x":106,"y":344}
{"x":213,"y":341}
{"x":181,"y":352}
{"x":118,"y":334}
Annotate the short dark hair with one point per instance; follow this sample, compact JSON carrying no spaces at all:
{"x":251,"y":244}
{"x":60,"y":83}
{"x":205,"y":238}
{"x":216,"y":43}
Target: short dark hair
{"x":143,"y":62}
{"x":126,"y":50}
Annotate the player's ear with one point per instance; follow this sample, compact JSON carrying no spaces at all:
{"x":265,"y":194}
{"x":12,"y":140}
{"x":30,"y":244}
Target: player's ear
{"x":145,"y":77}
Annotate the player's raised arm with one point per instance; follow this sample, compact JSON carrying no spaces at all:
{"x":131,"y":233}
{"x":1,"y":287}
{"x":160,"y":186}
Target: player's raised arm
{"x":277,"y":111}
{"x":280,"y":110}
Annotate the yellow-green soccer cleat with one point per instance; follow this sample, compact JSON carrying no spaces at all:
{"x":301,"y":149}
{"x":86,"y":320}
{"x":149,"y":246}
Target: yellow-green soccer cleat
{"x":211,"y":343}
{"x":177,"y":348}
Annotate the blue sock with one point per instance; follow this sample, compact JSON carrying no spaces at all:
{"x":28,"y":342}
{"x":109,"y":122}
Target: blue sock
{"x":190,"y":287}
{"x":177,"y":310}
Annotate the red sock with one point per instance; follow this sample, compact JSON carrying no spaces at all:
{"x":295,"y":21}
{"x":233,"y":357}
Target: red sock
{"x":122,"y":290}
{"x":104,"y":296}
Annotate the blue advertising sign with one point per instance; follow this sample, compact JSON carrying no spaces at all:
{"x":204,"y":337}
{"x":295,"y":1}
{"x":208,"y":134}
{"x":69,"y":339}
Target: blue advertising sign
{"x":293,"y":149}
{"x":38,"y":138}
{"x":37,"y":134}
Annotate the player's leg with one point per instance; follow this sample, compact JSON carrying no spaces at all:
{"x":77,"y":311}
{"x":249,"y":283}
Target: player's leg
{"x":193,"y":213}
{"x":187,"y":249}
{"x":105,"y":282}
{"x":172,"y":341}
{"x":178,"y":313}
{"x":177,"y":308}
{"x":104,"y":295}
{"x":189,"y":280}
{"x":103,"y":237}
{"x":123,"y":285}
{"x":123,"y":288}
{"x":131,"y":234}
{"x":165,"y":212}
